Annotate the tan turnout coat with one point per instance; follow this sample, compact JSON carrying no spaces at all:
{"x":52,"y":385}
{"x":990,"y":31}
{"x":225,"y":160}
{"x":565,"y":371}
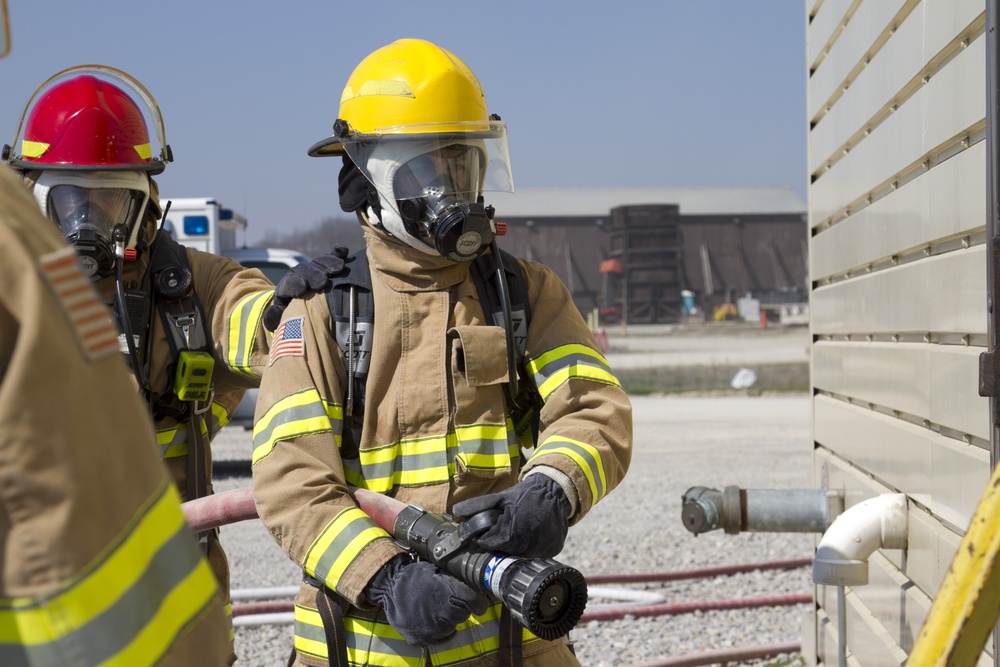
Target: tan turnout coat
{"x":435,"y":432}
{"x":92,"y":538}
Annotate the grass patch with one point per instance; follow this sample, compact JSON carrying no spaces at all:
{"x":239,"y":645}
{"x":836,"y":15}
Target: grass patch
{"x":771,"y":378}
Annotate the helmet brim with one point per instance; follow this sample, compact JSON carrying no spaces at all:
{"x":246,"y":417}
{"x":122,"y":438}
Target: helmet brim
{"x":328,"y":147}
{"x":155,"y":167}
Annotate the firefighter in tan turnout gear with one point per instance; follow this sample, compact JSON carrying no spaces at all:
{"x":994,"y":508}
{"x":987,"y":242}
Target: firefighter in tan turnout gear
{"x":189,"y":321}
{"x":99,"y":567}
{"x":437,"y":417}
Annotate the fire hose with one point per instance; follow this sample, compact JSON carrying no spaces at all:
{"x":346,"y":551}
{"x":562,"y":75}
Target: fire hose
{"x":546,"y":596}
{"x":543,"y":595}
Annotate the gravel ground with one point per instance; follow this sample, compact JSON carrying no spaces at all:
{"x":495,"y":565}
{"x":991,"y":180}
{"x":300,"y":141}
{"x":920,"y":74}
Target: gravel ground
{"x":680,"y":441}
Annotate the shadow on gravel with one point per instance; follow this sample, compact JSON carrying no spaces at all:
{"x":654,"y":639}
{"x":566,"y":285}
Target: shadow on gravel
{"x":226,"y":468}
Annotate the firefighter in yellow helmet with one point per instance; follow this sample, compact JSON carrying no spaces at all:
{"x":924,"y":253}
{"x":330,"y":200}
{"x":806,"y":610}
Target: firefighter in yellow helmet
{"x":189,"y":322}
{"x":428,"y":392}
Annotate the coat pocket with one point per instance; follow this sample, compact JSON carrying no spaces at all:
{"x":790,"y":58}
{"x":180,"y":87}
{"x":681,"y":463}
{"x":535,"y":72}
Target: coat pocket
{"x":479,"y":355}
{"x":479,"y":369}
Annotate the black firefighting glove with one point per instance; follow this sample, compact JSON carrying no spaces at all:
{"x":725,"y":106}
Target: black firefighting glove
{"x":533,"y":520}
{"x":422,"y":603}
{"x":302,"y":279}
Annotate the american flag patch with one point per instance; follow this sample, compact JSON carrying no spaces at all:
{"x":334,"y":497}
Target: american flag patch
{"x":89,"y":319}
{"x":287,"y":341}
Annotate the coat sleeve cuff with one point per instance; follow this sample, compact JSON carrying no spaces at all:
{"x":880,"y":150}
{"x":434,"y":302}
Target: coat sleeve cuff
{"x":352,"y":584}
{"x":564,"y":482}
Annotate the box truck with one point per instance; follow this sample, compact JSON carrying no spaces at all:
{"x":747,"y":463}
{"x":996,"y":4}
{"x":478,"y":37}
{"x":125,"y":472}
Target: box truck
{"x":204,"y":224}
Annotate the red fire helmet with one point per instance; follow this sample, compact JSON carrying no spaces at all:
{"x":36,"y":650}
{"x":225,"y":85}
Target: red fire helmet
{"x":89,"y":122}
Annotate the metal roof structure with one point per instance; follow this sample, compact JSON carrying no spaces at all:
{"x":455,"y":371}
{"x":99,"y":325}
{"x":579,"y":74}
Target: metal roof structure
{"x":584,"y":201}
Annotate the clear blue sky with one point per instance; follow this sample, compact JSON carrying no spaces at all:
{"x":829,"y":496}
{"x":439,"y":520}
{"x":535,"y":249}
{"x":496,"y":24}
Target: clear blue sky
{"x":629,"y":93}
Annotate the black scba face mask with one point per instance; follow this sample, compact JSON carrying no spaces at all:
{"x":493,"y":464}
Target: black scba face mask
{"x":457,"y":228}
{"x":91,"y":232}
{"x":92,"y":220}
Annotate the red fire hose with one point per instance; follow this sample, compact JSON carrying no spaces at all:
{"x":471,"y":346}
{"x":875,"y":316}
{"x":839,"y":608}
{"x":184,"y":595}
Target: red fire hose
{"x":237,"y":505}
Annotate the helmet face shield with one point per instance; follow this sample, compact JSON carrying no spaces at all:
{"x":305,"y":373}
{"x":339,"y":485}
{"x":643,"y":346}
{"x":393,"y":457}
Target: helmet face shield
{"x":94,"y":211}
{"x":99,"y":210}
{"x":410,"y":162}
{"x":456,"y":170}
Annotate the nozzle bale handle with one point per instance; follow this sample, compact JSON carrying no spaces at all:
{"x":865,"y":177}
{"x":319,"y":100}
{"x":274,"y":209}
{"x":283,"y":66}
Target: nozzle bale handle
{"x":545,"y":596}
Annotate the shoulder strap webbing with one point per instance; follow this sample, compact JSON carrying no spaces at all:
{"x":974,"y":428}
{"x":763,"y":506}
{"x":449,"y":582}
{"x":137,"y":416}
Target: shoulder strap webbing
{"x":352,"y":308}
{"x":184,"y":324}
{"x":485,"y":277}
{"x":183,"y":317}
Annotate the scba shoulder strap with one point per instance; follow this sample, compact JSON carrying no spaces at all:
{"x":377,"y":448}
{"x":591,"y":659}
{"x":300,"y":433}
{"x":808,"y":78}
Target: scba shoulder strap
{"x":352,"y":308}
{"x":183,"y":319}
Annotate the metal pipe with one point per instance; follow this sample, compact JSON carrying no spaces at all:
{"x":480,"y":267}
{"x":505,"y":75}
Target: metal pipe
{"x":724,"y":656}
{"x":841,"y":627}
{"x":614,"y":612}
{"x":842,"y":555}
{"x":630,"y":596}
{"x":285,"y":618}
{"x":618,"y":612}
{"x":263,"y":593}
{"x":759,"y":510}
{"x":702,"y":573}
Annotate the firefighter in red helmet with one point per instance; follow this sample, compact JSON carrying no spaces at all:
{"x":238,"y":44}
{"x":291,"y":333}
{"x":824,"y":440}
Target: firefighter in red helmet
{"x":188,"y":321}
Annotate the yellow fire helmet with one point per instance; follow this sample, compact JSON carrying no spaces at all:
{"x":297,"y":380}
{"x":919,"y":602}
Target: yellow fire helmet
{"x":410,"y":87}
{"x":413,"y":119}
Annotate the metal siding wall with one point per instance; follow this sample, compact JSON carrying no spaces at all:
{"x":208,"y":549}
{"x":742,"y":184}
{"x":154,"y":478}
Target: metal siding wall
{"x":897,"y":208}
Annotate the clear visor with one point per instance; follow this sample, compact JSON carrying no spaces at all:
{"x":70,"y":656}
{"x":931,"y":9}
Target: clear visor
{"x":75,"y":208}
{"x":418,"y":161}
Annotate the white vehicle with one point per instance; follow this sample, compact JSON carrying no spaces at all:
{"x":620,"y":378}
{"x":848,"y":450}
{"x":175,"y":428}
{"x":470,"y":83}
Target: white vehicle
{"x":273,"y":262}
{"x":204,"y":224}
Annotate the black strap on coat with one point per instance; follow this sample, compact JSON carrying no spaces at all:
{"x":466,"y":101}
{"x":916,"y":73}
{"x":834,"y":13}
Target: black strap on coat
{"x":333,"y":625}
{"x":511,"y":634}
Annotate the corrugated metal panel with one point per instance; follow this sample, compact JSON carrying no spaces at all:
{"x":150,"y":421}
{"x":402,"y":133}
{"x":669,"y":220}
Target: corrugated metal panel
{"x":827,"y":21}
{"x":946,"y":293}
{"x":898,"y":208}
{"x":933,"y":382}
{"x":943,"y":474}
{"x":942,"y":203}
{"x":946,"y":107}
{"x":848,"y":53}
{"x":913,"y":51}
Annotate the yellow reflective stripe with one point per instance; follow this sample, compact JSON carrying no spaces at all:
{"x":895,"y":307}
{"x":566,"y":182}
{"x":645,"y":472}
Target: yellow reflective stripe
{"x":484,"y":446}
{"x":221,"y":418}
{"x":301,"y":414}
{"x":586,"y":457}
{"x":244,"y":324}
{"x":552,"y":369}
{"x":376,"y":643}
{"x":172,"y":441}
{"x":140,"y":593}
{"x":310,"y":638}
{"x":145,"y":151}
{"x":228,"y":612}
{"x":339,"y":544}
{"x":174,"y":616}
{"x":431,"y":459}
{"x":33,"y":148}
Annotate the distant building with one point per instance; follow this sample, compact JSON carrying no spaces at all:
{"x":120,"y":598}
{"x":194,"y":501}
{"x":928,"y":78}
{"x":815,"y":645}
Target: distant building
{"x":631,"y":252}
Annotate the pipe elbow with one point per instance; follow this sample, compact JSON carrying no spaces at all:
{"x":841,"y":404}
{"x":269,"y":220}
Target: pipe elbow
{"x":842,"y":555}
